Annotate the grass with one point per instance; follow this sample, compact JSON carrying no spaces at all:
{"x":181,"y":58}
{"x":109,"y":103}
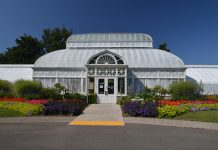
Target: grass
{"x":9,"y":113}
{"x":205,"y":116}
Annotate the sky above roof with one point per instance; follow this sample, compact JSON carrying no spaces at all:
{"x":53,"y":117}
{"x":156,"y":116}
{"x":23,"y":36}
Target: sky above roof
{"x":190,"y":27}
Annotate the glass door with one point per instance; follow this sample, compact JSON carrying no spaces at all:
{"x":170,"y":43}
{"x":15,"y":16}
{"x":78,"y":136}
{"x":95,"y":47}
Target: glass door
{"x":101,"y":86}
{"x":110,"y":86}
{"x":106,"y":89}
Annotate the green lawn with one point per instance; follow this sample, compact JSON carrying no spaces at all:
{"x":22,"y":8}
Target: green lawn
{"x":207,"y":116}
{"x":9,"y":113}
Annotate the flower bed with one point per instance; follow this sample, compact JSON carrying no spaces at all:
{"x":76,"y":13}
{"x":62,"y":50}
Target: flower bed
{"x":64,"y":107}
{"x":167,"y":108}
{"x":178,"y":102}
{"x":34,"y":101}
{"x":138,"y":108}
{"x":24,"y":108}
{"x":37,"y":101}
{"x":172,"y":111}
{"x":9,"y":99}
{"x":51,"y":107}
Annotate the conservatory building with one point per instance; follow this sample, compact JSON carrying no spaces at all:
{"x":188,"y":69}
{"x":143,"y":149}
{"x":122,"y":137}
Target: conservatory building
{"x":110,"y":65}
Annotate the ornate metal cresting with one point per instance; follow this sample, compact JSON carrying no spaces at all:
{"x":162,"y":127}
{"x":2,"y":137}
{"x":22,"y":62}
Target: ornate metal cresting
{"x":156,"y":73}
{"x":59,"y":73}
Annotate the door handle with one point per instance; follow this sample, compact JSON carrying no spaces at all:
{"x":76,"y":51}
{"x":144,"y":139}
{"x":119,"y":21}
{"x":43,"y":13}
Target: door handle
{"x":106,"y":92}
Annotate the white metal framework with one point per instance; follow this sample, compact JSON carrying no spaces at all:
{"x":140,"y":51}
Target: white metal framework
{"x":110,"y":65}
{"x":107,"y":76}
{"x":206,"y":76}
{"x":109,"y":40}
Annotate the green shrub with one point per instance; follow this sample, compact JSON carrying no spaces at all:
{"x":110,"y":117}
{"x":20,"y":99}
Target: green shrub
{"x":124,"y":99}
{"x":51,"y":93}
{"x":6,"y":88}
{"x":58,"y":93}
{"x":28,"y":89}
{"x":24,"y":108}
{"x":172,"y":111}
{"x":74,"y":96}
{"x":153,"y":94}
{"x":185,"y":90}
{"x":92,"y":98}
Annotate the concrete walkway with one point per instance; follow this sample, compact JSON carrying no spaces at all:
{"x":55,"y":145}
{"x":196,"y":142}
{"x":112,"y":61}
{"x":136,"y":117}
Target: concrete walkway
{"x":173,"y":123}
{"x":100,"y":114}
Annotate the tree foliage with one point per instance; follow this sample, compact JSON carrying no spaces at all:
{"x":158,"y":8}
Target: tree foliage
{"x":28,"y":48}
{"x":54,"y":39}
{"x":164,"y":47}
{"x":26,"y":51}
{"x":3,"y":58}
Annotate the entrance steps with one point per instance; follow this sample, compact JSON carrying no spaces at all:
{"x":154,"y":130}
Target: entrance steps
{"x":100,"y":115}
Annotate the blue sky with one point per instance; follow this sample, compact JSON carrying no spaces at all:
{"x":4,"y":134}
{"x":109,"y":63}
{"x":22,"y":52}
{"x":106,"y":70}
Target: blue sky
{"x":190,"y":27}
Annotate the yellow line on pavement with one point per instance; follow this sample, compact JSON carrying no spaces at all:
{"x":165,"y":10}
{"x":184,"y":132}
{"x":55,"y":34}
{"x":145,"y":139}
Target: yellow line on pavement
{"x":97,"y":123}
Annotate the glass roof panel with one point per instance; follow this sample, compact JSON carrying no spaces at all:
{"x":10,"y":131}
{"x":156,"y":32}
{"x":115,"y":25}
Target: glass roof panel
{"x":109,"y":37}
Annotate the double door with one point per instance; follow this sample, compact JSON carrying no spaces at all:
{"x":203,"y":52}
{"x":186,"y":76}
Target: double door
{"x":106,"y":89}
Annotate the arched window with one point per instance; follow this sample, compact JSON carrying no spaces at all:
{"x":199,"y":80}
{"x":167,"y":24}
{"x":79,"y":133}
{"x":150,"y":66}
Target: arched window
{"x":106,"y":59}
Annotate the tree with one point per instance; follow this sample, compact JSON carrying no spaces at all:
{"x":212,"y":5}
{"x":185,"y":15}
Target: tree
{"x":54,"y":39}
{"x":26,"y":51}
{"x":28,"y":48}
{"x":164,"y":47}
{"x":3,"y":58}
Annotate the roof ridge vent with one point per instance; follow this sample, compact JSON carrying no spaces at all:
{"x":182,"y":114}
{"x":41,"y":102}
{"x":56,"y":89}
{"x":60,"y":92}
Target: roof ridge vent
{"x":109,"y":40}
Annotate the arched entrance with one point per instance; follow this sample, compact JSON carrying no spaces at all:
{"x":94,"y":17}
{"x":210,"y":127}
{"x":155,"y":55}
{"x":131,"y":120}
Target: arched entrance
{"x":107,"y":76}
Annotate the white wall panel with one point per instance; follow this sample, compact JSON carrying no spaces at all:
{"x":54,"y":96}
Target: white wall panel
{"x":16,"y":72}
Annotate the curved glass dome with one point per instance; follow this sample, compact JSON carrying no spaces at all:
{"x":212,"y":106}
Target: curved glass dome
{"x":134,"y":58}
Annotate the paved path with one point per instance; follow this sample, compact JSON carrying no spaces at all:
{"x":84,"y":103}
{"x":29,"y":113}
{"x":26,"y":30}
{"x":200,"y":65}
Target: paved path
{"x":170,"y":122}
{"x":100,"y":114}
{"x":107,"y":115}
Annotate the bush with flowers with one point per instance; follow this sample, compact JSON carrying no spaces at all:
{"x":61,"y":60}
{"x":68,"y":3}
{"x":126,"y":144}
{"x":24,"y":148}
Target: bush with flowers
{"x":172,"y":111}
{"x":24,"y":108}
{"x":141,"y":108}
{"x":64,"y":107}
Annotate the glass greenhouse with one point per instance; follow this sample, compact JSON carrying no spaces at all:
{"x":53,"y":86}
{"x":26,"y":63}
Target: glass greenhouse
{"x":110,"y":65}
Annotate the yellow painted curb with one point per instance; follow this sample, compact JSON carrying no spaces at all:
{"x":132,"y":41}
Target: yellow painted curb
{"x":97,"y":123}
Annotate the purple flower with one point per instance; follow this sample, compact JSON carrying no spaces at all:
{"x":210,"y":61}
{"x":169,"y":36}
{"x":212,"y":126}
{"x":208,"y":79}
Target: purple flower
{"x":138,"y":108}
{"x":204,"y":109}
{"x":193,"y":109}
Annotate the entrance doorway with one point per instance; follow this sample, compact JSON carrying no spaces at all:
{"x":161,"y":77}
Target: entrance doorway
{"x":106,"y":89}
{"x":107,"y":76}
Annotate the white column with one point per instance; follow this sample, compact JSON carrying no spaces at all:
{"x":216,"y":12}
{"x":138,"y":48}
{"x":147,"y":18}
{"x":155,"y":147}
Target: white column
{"x":86,"y":80}
{"x":125,"y":82}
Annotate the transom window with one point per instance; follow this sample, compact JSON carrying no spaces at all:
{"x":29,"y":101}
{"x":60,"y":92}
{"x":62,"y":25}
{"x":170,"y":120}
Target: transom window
{"x":106,"y":59}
